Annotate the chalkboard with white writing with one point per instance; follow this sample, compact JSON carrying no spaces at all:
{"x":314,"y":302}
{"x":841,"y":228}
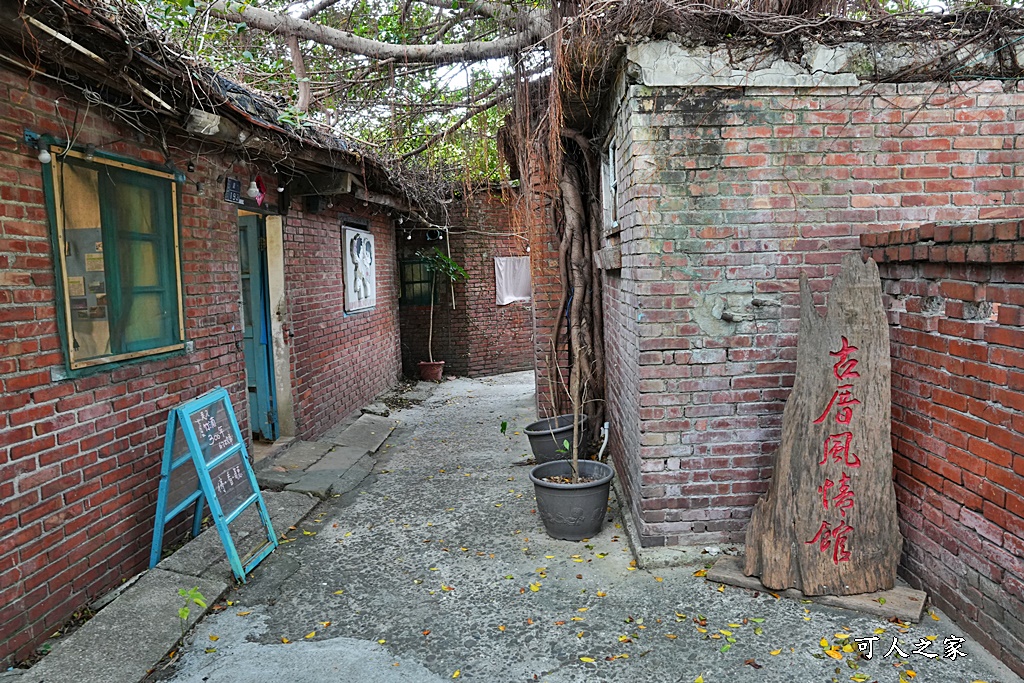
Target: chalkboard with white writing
{"x":205,"y":463}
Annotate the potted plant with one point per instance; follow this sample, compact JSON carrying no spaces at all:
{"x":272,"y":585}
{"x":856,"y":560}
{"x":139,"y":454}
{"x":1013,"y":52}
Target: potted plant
{"x":548,"y":437}
{"x":572,"y":495}
{"x":440,"y":265}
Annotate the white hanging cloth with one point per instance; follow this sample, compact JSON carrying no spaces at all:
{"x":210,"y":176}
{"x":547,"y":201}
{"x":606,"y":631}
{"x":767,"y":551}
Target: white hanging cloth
{"x":511,"y":279}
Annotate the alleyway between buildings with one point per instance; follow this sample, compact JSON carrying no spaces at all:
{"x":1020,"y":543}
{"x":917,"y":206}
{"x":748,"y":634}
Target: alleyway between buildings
{"x":437,"y":568}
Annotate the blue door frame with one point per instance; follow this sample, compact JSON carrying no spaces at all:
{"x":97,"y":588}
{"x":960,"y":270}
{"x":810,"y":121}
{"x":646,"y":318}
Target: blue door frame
{"x":259,"y":357}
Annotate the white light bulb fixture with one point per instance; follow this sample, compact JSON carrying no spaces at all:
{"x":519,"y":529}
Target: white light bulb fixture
{"x":44,"y":156}
{"x":280,"y":188}
{"x":253,"y":190}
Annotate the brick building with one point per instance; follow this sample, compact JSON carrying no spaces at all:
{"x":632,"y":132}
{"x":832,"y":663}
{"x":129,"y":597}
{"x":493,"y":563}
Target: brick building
{"x":727,"y":174}
{"x":137,"y":271}
{"x":475,"y":336}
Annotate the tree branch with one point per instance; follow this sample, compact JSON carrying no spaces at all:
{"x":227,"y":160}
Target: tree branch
{"x":300,"y":74}
{"x":473,"y":111}
{"x":452,"y":53}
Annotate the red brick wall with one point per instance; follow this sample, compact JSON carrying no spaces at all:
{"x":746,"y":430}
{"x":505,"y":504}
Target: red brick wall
{"x":727,"y":196}
{"x":478,"y":337}
{"x":955,"y":295}
{"x":80,"y":458}
{"x":534,"y":211}
{"x":340,"y":361}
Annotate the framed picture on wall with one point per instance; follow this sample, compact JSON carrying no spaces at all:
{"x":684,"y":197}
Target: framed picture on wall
{"x":360,"y":270}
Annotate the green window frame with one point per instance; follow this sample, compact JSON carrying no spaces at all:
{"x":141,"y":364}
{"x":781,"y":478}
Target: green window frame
{"x":416,"y":280}
{"x":117,"y":258}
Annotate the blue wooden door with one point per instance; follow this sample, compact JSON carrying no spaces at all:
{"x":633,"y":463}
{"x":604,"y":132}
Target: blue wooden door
{"x":259,"y":368}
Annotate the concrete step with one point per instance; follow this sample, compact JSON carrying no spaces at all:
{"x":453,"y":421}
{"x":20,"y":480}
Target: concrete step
{"x":141,"y":625}
{"x":368,"y":432}
{"x":288,"y":466}
{"x":123,"y":641}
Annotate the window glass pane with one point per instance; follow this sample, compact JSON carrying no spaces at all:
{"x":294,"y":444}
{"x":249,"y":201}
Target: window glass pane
{"x":142,"y":264}
{"x":80,"y":197}
{"x":117,"y":259}
{"x":145,"y":318}
{"x":134,"y":207}
{"x":90,"y":332}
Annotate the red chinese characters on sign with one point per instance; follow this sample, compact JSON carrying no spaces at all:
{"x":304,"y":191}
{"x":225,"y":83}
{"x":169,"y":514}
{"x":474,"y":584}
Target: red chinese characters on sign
{"x":842,"y":500}
{"x":836,"y":449}
{"x":834,"y":538}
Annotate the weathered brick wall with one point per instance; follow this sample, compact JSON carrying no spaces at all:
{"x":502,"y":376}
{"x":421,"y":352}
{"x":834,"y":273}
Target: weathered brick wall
{"x":535,"y":213}
{"x":955,"y":296}
{"x":340,"y":360}
{"x":80,"y":458}
{"x":478,"y":337}
{"x":726,"y":197}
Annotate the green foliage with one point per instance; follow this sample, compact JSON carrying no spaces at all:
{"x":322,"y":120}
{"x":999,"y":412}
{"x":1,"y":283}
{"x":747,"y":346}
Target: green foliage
{"x":441,"y":264}
{"x":384,"y":108}
{"x":192,"y":596}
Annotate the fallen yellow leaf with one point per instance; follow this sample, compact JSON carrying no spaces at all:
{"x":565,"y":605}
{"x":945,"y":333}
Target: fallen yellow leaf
{"x":588,"y":660}
{"x":243,"y":614}
{"x":774,"y":652}
{"x":325,"y":624}
{"x":698,"y":679}
{"x":309,"y":635}
{"x":824,"y":643}
{"x":535,"y":587}
{"x":701,"y":572}
{"x":671,"y":636}
{"x":501,"y":628}
{"x":215,"y":638}
{"x":601,"y":594}
{"x":934,"y":616}
{"x":833,"y":654}
{"x":382,"y":641}
{"x":721,"y":588}
{"x":458,"y":672}
{"x":658,"y":579}
{"x":285,"y":640}
{"x":338,"y":592}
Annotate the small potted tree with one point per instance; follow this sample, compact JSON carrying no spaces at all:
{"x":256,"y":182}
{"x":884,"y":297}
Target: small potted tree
{"x":572,"y":495}
{"x":441,"y":266}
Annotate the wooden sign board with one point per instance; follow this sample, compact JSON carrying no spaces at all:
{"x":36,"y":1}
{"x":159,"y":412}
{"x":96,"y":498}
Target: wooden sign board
{"x":205,"y":461}
{"x":828,"y":524}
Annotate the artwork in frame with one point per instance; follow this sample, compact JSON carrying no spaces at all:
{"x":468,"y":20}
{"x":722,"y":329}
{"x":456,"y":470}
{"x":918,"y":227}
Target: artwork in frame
{"x":360,"y":256}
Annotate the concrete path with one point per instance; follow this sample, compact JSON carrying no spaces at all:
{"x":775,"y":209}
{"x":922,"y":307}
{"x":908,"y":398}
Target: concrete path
{"x":436,"y":568}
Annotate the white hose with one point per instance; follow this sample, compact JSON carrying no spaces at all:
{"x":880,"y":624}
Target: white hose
{"x":604,"y":441}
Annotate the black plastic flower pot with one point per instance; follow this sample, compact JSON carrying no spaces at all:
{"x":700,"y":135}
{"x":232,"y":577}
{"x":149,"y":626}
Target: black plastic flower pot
{"x":547,"y":437}
{"x":572,"y":512}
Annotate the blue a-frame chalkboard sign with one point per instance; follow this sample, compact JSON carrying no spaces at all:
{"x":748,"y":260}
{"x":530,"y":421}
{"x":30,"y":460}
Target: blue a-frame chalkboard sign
{"x":205,"y":459}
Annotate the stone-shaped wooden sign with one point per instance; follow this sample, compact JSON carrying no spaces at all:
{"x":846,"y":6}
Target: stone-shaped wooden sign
{"x":828,"y":525}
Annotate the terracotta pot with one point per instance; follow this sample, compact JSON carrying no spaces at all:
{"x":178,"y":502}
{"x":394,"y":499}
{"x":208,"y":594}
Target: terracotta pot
{"x":431,"y":372}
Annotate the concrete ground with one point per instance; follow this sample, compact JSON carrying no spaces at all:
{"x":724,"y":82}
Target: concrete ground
{"x":437,"y":568}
